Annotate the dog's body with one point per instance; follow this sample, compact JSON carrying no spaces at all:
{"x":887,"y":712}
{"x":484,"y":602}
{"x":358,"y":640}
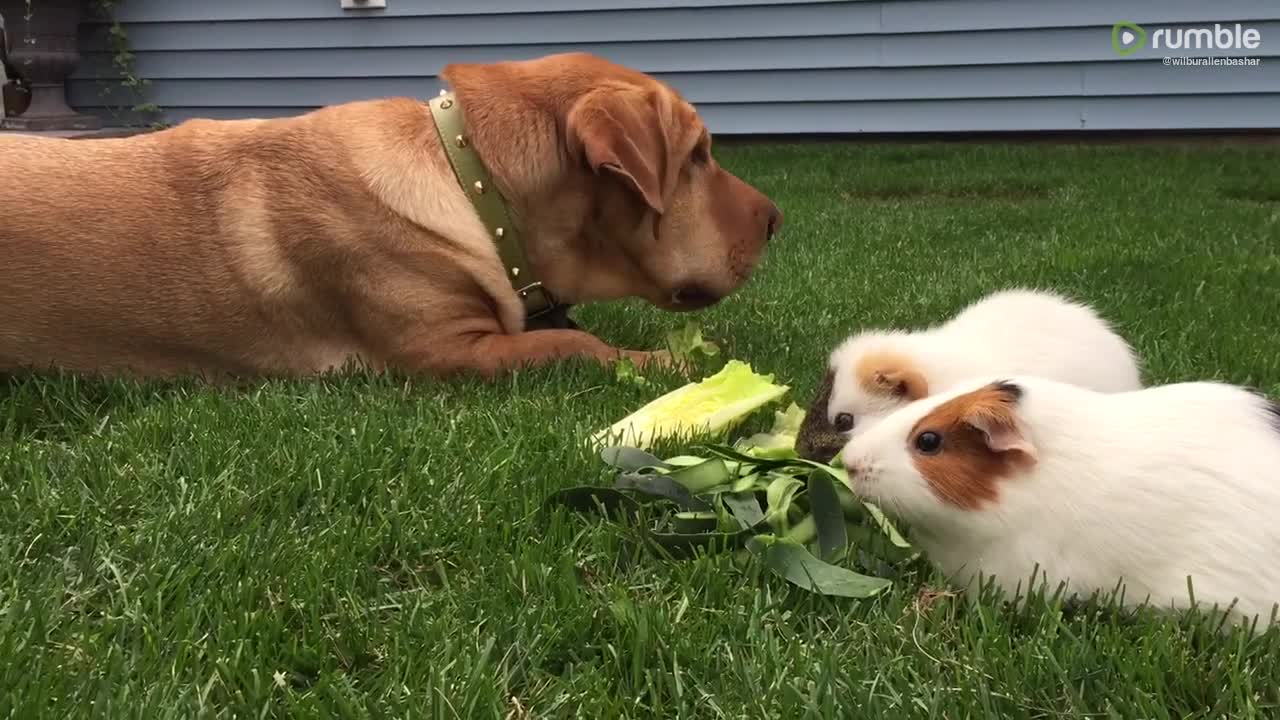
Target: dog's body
{"x":299,"y":245}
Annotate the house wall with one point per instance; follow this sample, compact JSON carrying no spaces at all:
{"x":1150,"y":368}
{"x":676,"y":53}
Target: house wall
{"x":751,"y":66}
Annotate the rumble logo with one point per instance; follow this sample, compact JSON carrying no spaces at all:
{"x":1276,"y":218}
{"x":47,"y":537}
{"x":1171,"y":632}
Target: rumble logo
{"x":1129,"y":37}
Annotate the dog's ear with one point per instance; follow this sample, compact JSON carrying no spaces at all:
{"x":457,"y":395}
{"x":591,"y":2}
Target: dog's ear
{"x":635,"y":133}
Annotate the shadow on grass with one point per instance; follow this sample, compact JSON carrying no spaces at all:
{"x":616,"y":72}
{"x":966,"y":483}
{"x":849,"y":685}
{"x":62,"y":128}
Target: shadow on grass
{"x":1030,"y":612}
{"x":1000,"y":192}
{"x":59,"y":407}
{"x":1263,"y":195}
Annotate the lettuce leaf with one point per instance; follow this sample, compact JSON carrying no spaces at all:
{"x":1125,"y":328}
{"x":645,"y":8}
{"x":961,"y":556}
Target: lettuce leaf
{"x":712,"y":405}
{"x":780,"y":442}
{"x":687,"y":341}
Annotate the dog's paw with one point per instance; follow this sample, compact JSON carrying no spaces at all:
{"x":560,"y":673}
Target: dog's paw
{"x":662,"y":359}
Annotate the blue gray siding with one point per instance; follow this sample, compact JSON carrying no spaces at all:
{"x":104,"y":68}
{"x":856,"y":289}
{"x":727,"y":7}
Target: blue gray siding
{"x":751,"y":66}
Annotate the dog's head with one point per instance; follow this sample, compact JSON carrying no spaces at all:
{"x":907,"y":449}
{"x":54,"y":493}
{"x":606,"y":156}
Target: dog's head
{"x":636,"y":205}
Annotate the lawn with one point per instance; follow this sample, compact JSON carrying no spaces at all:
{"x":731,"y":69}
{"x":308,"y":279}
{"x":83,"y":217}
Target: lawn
{"x":372,"y":547}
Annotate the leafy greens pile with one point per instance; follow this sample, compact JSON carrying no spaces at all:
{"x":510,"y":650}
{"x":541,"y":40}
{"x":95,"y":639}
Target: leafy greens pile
{"x":756,"y":497}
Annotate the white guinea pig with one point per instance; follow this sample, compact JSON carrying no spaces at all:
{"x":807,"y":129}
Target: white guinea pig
{"x":1142,"y":488}
{"x":1010,"y":332}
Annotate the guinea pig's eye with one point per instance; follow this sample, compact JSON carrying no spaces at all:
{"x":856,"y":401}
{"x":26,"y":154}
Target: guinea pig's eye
{"x":929,"y":442}
{"x":844,"y":422}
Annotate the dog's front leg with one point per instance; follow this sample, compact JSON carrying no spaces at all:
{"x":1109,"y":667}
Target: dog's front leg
{"x":492,"y":353}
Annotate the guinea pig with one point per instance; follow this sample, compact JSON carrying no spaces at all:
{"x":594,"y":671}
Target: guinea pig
{"x":1009,"y":332}
{"x":1003,"y":478}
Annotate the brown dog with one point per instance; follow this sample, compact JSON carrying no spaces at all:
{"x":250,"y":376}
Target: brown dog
{"x":299,"y":245}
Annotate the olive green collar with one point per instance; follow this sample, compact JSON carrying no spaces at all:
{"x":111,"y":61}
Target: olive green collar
{"x":477,"y":183}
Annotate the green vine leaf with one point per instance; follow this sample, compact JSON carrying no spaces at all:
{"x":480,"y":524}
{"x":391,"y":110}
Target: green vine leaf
{"x":136,"y":103}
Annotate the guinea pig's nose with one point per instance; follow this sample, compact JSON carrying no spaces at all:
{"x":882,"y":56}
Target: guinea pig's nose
{"x":856,"y":469}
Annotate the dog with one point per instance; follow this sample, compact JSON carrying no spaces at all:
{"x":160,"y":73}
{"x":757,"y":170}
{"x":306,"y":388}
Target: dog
{"x":345,"y":236}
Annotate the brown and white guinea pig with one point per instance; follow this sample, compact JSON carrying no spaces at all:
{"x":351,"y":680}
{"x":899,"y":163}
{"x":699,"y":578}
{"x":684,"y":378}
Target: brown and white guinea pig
{"x":1142,"y":489}
{"x":1009,"y":332}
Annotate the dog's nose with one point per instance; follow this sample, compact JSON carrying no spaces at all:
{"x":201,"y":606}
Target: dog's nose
{"x":774,"y":220}
{"x":695,"y":297}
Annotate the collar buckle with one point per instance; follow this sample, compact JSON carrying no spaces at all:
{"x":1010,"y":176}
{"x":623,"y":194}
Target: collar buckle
{"x":537,"y":300}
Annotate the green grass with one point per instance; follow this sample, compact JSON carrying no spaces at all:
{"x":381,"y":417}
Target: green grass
{"x":371,"y":547}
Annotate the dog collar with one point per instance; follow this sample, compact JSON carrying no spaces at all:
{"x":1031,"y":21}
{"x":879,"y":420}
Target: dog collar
{"x":477,"y":184}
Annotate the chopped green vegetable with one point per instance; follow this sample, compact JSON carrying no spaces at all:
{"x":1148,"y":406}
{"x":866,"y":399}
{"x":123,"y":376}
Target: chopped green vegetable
{"x":748,"y":482}
{"x":695,"y":522}
{"x":780,"y":441}
{"x":712,"y":405}
{"x":631,"y":459}
{"x":789,"y":559}
{"x":781,"y":492}
{"x":795,"y":516}
{"x":745,"y":508}
{"x":661,"y":486}
{"x":702,"y":477}
{"x":625,"y":371}
{"x":833,"y":537}
{"x":687,"y":341}
{"x":685,"y":460}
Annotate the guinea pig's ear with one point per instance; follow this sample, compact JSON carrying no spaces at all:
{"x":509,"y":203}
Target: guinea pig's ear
{"x":628,"y":131}
{"x":994,"y":413}
{"x":903,"y":382}
{"x":1004,"y":437}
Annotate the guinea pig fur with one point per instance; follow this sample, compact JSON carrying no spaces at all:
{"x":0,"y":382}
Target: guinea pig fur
{"x":1009,"y":332}
{"x":1006,"y":479}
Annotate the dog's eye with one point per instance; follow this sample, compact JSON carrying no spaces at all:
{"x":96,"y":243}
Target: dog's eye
{"x":701,"y":155}
{"x":929,"y":442}
{"x":844,"y":422}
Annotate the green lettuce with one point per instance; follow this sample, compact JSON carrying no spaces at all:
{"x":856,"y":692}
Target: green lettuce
{"x":780,"y":442}
{"x":710,"y":406}
{"x":686,"y":342}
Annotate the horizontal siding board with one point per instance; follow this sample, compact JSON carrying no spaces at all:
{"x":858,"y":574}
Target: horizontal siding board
{"x":1179,"y":113}
{"x":1014,"y":115}
{"x":913,"y":16}
{"x":138,"y":11}
{"x":1153,"y":78}
{"x":1059,"y":80}
{"x":548,"y":28}
{"x":952,"y":15}
{"x":762,"y":54}
{"x":858,"y":26}
{"x":1014,"y":47}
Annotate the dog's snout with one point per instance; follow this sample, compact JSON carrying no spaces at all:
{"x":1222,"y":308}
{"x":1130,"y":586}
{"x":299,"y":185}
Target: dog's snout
{"x":694,"y":297}
{"x":773,"y":219}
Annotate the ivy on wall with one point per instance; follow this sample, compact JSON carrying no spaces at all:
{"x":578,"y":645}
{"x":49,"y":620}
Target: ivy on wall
{"x":129,"y":88}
